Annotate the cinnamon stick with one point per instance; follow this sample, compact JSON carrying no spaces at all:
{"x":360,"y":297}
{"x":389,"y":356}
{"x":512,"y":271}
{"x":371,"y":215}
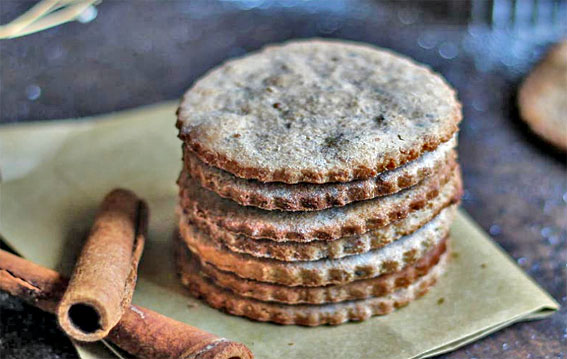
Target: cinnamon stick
{"x":141,"y":332}
{"x":104,"y":278}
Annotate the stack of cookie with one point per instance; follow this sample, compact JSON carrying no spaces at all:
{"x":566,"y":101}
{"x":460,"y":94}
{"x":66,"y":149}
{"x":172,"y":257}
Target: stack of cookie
{"x":319,"y":183}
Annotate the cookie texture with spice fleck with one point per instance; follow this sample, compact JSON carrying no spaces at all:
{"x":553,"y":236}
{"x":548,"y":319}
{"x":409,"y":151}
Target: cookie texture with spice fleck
{"x":543,"y":97}
{"x":360,"y":289}
{"x":329,"y":224}
{"x":317,"y":111}
{"x":371,"y":264}
{"x":308,"y":196}
{"x":441,"y":209}
{"x":306,"y":314}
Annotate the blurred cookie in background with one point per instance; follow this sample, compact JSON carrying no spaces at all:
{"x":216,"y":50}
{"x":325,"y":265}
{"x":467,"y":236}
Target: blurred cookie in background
{"x":543,"y":97}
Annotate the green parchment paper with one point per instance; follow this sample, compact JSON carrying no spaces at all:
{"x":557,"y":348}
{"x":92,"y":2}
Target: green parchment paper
{"x":54,"y":176}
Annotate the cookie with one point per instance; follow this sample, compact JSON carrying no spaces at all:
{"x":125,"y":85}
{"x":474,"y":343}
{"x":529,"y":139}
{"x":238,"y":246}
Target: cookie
{"x":308,"y":196}
{"x":317,"y":111}
{"x":371,"y":264}
{"x":305,"y":314}
{"x":543,"y":97}
{"x":374,"y":287}
{"x":328,"y":224}
{"x":443,"y":207}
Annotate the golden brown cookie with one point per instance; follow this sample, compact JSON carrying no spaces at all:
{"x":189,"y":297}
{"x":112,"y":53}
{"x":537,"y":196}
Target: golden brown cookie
{"x":360,"y":289}
{"x":442,"y":206}
{"x":543,"y":97}
{"x":309,"y":196}
{"x":306,"y":314}
{"x":328,"y":224}
{"x":371,"y":264}
{"x":317,"y":111}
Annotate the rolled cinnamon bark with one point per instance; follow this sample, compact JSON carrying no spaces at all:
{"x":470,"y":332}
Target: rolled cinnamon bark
{"x":104,"y":278}
{"x":141,"y":332}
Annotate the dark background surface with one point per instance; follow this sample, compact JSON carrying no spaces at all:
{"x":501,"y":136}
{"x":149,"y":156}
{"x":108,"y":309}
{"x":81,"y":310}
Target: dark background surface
{"x":141,"y":52}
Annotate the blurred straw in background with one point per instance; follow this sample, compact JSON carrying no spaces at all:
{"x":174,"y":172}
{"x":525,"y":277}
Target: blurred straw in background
{"x":47,"y":14}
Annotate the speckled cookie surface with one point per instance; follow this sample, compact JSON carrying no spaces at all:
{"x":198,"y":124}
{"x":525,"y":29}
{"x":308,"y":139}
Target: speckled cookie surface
{"x":390,"y":258}
{"x":328,"y":224}
{"x":308,"y":314}
{"x":436,"y":209}
{"x":543,"y":97}
{"x":317,"y":111}
{"x":360,"y":289}
{"x":308,"y":196}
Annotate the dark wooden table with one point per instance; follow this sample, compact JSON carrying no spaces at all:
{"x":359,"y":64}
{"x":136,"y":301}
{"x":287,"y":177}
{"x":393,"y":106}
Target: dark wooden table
{"x":140,"y":52}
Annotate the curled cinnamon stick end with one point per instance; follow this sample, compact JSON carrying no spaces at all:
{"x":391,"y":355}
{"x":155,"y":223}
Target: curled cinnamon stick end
{"x":141,"y":332}
{"x":102,"y":284}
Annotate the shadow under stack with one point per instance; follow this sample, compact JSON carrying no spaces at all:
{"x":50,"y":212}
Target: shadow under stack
{"x":319,"y":184}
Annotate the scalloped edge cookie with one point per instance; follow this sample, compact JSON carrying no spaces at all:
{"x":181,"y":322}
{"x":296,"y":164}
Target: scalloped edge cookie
{"x":371,"y":264}
{"x":367,"y":110}
{"x":267,"y":292}
{"x":444,"y":206}
{"x":306,"y":314}
{"x":328,"y":224}
{"x":314,"y":197}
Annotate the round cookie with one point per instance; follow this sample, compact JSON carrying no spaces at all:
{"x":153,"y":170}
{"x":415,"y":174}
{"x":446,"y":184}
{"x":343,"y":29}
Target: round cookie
{"x":360,"y":289}
{"x":543,"y":97}
{"x":371,"y":264}
{"x":317,"y":111}
{"x":328,"y":224}
{"x":309,"y":196}
{"x":441,"y":209}
{"x":305,"y":314}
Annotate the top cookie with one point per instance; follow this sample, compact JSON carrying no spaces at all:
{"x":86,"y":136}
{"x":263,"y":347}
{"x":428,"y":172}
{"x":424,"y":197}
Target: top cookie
{"x":317,"y":111}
